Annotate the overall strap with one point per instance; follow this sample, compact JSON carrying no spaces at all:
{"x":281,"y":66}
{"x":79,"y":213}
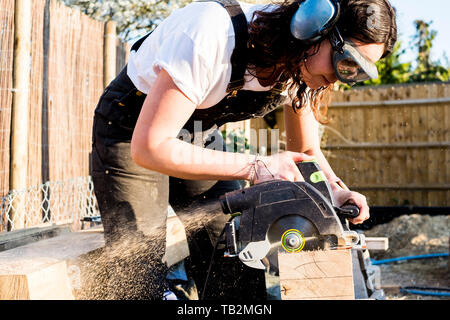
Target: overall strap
{"x":138,"y":43}
{"x":239,"y":56}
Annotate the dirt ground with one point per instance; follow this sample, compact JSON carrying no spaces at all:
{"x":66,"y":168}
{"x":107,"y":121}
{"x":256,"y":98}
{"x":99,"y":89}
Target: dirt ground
{"x":413,"y":235}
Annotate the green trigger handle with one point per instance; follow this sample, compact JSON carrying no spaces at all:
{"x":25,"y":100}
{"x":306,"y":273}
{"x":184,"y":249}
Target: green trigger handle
{"x":313,"y":175}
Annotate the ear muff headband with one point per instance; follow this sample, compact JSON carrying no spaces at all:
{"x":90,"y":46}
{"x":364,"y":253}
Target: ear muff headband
{"x":314,"y":19}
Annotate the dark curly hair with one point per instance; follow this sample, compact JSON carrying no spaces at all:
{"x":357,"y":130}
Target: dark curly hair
{"x":271,"y":43}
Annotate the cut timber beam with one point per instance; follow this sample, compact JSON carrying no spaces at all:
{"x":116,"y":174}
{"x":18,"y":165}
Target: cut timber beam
{"x":177,"y":247}
{"x":44,"y":270}
{"x":49,"y":282}
{"x":59,"y":268}
{"x":316,"y":275}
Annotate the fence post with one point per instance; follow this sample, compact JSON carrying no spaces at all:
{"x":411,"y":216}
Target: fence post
{"x":109,"y":53}
{"x":19,"y":112}
{"x":247,"y":134}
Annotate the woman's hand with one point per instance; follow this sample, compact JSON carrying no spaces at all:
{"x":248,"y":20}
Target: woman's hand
{"x":279,"y":166}
{"x":342,"y":196}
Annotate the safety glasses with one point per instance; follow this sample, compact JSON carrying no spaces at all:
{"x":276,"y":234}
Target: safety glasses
{"x":350,"y":65}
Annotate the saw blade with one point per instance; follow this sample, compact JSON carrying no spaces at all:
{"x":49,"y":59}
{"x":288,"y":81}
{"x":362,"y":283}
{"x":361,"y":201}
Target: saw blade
{"x":293,"y":233}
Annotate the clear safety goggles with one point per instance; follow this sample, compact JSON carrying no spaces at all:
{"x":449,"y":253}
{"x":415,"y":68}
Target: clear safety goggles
{"x":350,"y":65}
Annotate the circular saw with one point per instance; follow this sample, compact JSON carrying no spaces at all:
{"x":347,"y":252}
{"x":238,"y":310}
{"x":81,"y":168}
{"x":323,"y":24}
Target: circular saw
{"x":283,"y":216}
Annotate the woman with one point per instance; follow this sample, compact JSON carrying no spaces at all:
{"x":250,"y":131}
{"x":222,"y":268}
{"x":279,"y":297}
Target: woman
{"x":208,"y":64}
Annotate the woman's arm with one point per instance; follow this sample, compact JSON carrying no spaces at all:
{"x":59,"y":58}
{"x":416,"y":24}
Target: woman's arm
{"x":302,"y":133}
{"x":155,"y":145}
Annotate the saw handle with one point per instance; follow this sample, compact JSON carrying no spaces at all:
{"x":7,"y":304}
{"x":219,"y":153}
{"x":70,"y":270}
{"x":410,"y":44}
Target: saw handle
{"x":348,"y":211}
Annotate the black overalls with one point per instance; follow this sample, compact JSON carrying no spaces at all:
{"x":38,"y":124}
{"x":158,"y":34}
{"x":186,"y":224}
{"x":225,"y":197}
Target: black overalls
{"x":133,"y":200}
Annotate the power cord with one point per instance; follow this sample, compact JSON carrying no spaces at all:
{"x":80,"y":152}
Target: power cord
{"x":427,"y":291}
{"x":211,"y":261}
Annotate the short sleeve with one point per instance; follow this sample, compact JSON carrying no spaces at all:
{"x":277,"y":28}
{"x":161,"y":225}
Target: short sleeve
{"x":194,"y":46}
{"x":190,"y":69}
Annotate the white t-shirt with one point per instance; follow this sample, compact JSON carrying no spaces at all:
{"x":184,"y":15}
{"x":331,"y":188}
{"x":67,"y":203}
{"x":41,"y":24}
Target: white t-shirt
{"x":194,"y":45}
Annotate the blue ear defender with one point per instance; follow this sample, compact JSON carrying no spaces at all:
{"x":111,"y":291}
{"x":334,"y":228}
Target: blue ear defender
{"x":314,"y":19}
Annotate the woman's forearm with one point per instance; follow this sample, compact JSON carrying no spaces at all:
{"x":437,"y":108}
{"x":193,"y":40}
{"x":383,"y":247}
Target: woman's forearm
{"x":183,"y":160}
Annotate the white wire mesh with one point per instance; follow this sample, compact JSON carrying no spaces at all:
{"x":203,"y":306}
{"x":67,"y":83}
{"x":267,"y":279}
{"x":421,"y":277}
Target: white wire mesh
{"x":52,"y":202}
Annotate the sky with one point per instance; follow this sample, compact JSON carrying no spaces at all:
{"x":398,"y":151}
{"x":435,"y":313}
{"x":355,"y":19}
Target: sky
{"x":437,"y":11}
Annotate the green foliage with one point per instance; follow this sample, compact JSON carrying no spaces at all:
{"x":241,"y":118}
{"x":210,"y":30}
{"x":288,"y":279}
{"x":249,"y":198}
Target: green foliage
{"x":133,"y":17}
{"x":392,"y":71}
{"x":137,"y":17}
{"x":426,"y":69}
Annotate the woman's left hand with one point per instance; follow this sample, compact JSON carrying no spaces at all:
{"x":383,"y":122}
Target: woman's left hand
{"x":343,"y":196}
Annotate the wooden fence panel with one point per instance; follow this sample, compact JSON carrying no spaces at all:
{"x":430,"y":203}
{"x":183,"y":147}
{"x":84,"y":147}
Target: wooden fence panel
{"x":75,"y":84}
{"x":66,"y":82}
{"x":6,"y":84}
{"x":35,"y":126}
{"x":122,"y":54}
{"x":6,"y":68}
{"x":394,"y":153}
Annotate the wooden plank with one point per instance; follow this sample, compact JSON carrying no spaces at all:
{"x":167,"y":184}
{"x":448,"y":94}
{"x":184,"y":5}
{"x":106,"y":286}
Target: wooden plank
{"x":44,"y":269}
{"x":177,"y":247}
{"x":393,"y":186}
{"x":34,"y":118}
{"x":6,"y":83}
{"x":14,"y":287}
{"x":21,"y":94}
{"x":13,"y":239}
{"x":388,"y":103}
{"x":345,"y":159}
{"x":110,"y":53}
{"x":411,"y":145}
{"x":421,"y":132}
{"x":324,"y":275}
{"x":358,"y":135}
{"x":279,"y":115}
{"x":446,"y":124}
{"x":50,"y":283}
{"x":408,"y":139}
{"x":433,"y":135}
{"x":377,"y":243}
{"x":378,"y":164}
{"x":365,"y":166}
{"x":39,"y":270}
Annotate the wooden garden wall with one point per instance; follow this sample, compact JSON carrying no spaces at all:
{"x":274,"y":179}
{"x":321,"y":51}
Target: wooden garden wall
{"x":62,"y":54}
{"x":392,"y":143}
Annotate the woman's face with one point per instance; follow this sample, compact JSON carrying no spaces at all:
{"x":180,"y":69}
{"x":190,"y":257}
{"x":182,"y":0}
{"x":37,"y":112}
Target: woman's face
{"x":318,"y":69}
